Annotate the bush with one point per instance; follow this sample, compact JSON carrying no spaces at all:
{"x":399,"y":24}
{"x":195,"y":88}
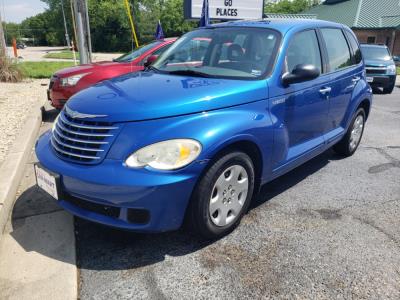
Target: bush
{"x":9,"y":71}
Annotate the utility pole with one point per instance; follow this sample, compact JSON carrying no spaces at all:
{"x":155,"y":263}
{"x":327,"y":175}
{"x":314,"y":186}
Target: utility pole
{"x":89,"y":38}
{"x":3,"y":46}
{"x":65,"y":25}
{"x":81,"y":28}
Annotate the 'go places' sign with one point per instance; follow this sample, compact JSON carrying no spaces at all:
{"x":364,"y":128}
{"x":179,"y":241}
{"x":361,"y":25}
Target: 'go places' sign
{"x":226,"y":9}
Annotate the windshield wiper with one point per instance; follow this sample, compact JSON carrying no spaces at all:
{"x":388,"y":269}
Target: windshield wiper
{"x":190,"y":73}
{"x":151,"y":68}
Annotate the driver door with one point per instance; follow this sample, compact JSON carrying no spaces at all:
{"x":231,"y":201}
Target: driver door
{"x":302,"y":109}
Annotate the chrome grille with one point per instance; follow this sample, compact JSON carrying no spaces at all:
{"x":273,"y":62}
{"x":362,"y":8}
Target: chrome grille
{"x":82,"y":141}
{"x":376,"y":70}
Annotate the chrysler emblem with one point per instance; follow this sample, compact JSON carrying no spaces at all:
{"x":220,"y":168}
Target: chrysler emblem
{"x":77,"y":115}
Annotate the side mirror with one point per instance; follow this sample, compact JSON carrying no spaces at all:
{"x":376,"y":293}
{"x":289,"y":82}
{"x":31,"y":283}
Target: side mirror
{"x":150,"y":60}
{"x":300,"y":73}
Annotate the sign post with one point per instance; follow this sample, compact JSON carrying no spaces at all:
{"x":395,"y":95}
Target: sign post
{"x":225,"y":9}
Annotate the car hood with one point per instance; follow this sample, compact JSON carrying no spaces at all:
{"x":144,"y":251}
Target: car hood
{"x":87,"y":68}
{"x":148,"y":95}
{"x":378,"y":63}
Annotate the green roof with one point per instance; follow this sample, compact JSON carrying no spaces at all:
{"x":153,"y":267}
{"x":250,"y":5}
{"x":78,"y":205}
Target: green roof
{"x":290,"y":16}
{"x":360,"y":13}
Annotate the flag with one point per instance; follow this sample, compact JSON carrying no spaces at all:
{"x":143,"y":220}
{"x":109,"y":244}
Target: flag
{"x":205,"y":17}
{"x":159,"y":32}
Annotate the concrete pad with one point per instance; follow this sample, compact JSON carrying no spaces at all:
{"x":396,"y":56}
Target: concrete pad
{"x":36,"y":261}
{"x":12,"y":168}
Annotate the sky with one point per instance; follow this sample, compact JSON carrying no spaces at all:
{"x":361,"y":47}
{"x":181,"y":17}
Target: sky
{"x":17,"y":10}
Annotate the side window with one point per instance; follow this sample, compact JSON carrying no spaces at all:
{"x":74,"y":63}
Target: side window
{"x":338,"y":50}
{"x":161,"y":50}
{"x":303,"y":49}
{"x":355,"y":47}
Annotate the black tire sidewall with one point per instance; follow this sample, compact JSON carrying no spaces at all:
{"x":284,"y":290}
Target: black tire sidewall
{"x":360,"y":111}
{"x":389,"y":89}
{"x":201,"y":197}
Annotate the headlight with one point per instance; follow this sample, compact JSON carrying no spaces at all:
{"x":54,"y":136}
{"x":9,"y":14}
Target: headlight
{"x":167,"y":155}
{"x":391,"y":70}
{"x":72,"y":80}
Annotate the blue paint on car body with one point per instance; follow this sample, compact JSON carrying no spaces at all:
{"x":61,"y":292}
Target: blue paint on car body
{"x":288,"y":125}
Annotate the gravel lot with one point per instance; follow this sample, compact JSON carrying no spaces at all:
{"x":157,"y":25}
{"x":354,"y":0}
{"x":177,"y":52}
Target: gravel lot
{"x":16,"y":101}
{"x":329,"y":229}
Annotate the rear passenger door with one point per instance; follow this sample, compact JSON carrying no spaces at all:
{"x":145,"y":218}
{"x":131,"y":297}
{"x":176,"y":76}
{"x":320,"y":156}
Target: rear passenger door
{"x":345,"y":70}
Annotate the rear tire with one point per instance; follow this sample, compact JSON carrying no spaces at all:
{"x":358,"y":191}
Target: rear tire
{"x":222,"y":196}
{"x":351,"y":140}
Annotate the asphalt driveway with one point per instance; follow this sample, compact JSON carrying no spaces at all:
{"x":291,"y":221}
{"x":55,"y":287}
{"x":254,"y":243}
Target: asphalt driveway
{"x":329,"y":229}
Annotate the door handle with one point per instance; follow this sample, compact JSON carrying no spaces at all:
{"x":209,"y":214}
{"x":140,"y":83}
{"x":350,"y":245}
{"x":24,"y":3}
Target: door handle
{"x":356,"y":79}
{"x":325,"y":90}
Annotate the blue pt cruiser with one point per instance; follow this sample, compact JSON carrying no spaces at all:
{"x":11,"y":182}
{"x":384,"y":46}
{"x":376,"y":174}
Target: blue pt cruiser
{"x":224,"y":110}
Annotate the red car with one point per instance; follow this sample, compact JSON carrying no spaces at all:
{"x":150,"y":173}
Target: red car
{"x":68,"y":81}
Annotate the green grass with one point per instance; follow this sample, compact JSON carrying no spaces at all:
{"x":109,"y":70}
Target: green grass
{"x":66,"y":54}
{"x":398,"y":70}
{"x":42,"y":69}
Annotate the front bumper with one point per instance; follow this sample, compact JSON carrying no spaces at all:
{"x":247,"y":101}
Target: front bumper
{"x":382,"y":80}
{"x":114,"y":195}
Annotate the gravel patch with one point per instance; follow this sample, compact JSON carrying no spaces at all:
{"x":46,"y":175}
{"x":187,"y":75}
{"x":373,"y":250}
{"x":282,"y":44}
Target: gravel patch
{"x":16,"y":102}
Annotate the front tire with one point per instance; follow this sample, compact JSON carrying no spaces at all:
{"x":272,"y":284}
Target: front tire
{"x":222,"y":196}
{"x":389,"y":89}
{"x":350,"y":142}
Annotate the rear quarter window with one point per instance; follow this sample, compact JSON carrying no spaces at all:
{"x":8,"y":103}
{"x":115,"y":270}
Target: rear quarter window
{"x":338,"y":51}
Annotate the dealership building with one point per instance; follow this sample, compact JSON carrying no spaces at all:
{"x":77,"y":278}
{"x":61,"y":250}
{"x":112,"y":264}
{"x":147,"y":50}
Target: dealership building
{"x":373,"y":21}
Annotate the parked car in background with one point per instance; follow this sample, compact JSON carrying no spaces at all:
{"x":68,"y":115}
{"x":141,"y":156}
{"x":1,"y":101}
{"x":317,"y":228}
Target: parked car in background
{"x":380,"y":67}
{"x":21,"y":45}
{"x":68,"y":81}
{"x":224,"y":110}
{"x":396,"y":60}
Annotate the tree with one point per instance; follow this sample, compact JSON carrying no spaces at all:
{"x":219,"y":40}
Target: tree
{"x":109,"y":24}
{"x":172,"y":18}
{"x":290,"y":7}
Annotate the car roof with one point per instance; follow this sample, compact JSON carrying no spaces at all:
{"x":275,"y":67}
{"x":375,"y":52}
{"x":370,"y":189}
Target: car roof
{"x":280,"y":24}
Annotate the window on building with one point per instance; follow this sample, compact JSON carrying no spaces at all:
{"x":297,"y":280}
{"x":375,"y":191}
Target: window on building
{"x":338,"y":50}
{"x":303,"y":49}
{"x":387,"y":43}
{"x":371,"y":40}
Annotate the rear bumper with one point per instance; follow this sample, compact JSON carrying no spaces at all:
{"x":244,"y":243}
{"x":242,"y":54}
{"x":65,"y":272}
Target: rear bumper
{"x":114,"y":195}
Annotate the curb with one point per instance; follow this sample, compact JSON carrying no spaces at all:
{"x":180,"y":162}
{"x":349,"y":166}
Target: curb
{"x":13,"y":166}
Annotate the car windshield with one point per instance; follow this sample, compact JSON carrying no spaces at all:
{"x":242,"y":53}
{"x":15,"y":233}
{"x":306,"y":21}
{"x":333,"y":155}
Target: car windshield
{"x":245,"y":53}
{"x":375,"y":53}
{"x":137,"y":52}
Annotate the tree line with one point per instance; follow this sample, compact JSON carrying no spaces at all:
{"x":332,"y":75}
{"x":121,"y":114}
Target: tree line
{"x":109,"y":23}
